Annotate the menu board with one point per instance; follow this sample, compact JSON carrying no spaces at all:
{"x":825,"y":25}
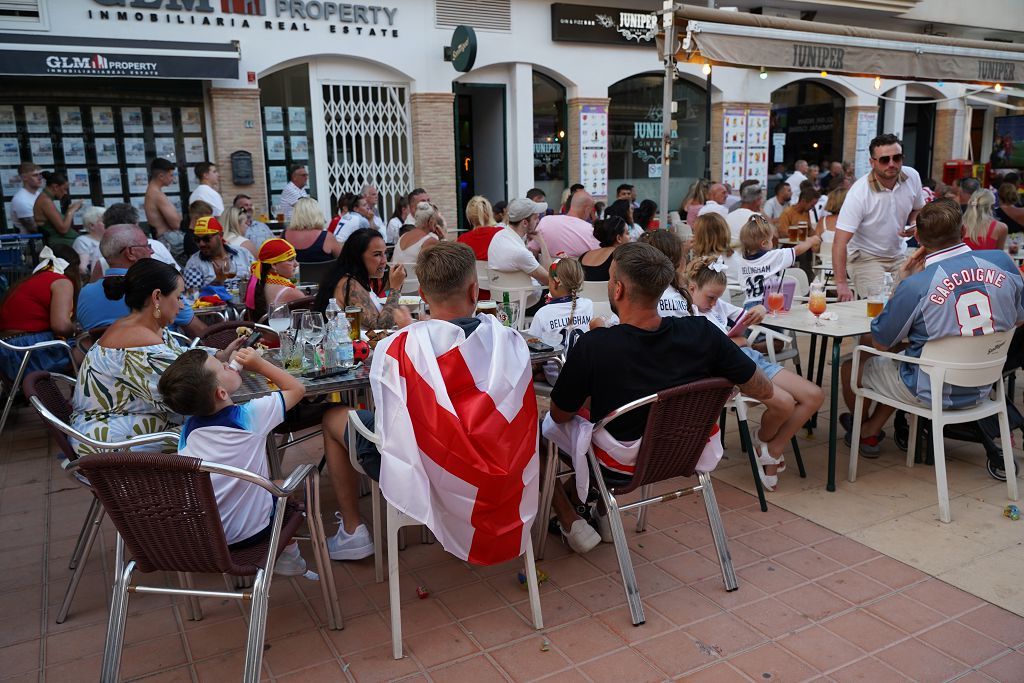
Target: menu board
{"x":594,"y":149}
{"x":745,"y":146}
{"x":867,"y":127}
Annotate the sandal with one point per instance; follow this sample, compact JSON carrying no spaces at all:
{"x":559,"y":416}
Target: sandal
{"x":768,"y":481}
{"x":761,"y":447}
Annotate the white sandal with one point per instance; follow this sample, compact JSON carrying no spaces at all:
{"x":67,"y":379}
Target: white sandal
{"x":768,"y":481}
{"x":760,"y":446}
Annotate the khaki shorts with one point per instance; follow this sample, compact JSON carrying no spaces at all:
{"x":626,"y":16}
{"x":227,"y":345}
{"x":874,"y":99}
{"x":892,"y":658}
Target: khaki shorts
{"x":882,"y":375}
{"x":867,"y":270}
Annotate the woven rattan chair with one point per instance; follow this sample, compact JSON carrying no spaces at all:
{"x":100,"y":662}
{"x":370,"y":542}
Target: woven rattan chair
{"x":44,"y":393}
{"x":679,"y":423}
{"x":165,"y":512}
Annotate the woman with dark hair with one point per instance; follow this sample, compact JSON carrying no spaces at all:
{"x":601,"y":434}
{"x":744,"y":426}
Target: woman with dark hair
{"x":56,"y":228}
{"x":40,"y":308}
{"x":609,"y":233}
{"x":1008,"y":211}
{"x":624,"y":210}
{"x":116,"y":396}
{"x":645,"y":214}
{"x":363,"y":257}
{"x":271,"y":284}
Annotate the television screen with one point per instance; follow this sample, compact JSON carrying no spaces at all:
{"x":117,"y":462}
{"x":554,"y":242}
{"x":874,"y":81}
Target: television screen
{"x":1008,"y":142}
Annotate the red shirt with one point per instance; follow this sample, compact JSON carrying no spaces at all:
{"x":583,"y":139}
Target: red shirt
{"x":27,"y":308}
{"x":479,"y":239}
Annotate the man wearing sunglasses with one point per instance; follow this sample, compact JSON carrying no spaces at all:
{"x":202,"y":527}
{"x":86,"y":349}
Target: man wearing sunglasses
{"x":880,"y":209}
{"x":215,"y":262}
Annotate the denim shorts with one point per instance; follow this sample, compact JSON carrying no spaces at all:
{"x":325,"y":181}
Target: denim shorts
{"x":770,"y":369}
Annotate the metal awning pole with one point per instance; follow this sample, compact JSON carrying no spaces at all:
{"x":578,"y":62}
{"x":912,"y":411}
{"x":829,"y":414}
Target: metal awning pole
{"x":669,"y":24}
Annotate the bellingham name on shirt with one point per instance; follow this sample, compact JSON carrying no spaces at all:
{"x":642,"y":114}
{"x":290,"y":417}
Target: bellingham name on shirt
{"x":562,"y":323}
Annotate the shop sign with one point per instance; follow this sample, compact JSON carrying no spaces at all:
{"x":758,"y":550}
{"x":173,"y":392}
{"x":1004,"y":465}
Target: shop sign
{"x":282,"y":15}
{"x":40,"y":63}
{"x":463,"y":48}
{"x":583,"y":24}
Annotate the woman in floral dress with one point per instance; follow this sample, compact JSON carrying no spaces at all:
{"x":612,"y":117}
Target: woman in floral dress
{"x":116,"y":397}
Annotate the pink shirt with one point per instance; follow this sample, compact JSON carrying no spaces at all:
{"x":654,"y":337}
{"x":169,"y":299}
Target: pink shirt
{"x":566,"y":234}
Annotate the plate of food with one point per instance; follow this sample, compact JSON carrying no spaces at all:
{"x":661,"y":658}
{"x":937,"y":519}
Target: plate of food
{"x":410,"y":300}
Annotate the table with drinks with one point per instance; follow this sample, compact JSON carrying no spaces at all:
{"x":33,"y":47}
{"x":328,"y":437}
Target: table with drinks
{"x":853,"y":319}
{"x":795,"y":234}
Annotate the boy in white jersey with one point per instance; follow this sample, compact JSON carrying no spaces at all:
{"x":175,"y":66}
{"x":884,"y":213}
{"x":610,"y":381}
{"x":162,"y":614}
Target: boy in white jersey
{"x":794,"y":400}
{"x":199,"y":385}
{"x":761,"y":266}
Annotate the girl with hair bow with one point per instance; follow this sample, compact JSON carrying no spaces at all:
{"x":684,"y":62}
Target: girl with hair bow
{"x":270,"y":284}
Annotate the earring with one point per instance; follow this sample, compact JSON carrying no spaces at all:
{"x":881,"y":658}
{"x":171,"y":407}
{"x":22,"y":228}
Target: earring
{"x":156,"y":312}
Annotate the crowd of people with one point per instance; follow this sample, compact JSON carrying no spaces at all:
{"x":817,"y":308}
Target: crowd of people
{"x":680,"y":297}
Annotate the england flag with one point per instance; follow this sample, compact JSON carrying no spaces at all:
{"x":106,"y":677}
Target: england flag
{"x":457,"y":417}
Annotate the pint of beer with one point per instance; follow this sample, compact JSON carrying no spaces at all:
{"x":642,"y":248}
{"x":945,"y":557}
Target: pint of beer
{"x":355,"y":318}
{"x":794,"y":233}
{"x":488,"y":307}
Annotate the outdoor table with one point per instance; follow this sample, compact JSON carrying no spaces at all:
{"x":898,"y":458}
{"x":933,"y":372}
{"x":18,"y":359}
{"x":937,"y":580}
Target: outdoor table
{"x":853,"y":322}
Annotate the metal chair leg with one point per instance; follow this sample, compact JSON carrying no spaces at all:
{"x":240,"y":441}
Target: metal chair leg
{"x":318,"y":541}
{"x":94,"y":523}
{"x":799,"y":460}
{"x":378,"y":533}
{"x":718,"y":532}
{"x":257,"y":628}
{"x":723,"y":422}
{"x":533,"y":587}
{"x":90,"y":518}
{"x":393,"y":587}
{"x":641,"y":520}
{"x":636,"y":608}
{"x":195,"y":610}
{"x":547,"y":492}
{"x":115,"y":626}
{"x":274,"y":458}
{"x":15,"y":388}
{"x":747,"y":446}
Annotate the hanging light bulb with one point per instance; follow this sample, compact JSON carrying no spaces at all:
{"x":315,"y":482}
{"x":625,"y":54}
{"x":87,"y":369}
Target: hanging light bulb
{"x":998,"y":87}
{"x":764,"y":73}
{"x":706,"y":69}
{"x":878,"y":82}
{"x":824,"y":74}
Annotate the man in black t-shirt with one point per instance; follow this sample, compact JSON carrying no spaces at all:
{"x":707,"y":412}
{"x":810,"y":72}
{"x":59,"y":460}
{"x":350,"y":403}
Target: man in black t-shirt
{"x":642,"y":355}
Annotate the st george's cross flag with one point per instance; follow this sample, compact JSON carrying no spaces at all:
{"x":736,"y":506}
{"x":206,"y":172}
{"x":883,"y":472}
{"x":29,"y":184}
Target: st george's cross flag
{"x":457,"y":418}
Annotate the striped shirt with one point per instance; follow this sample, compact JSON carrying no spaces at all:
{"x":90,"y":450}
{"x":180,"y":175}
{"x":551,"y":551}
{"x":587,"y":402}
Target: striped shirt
{"x":289,"y":195}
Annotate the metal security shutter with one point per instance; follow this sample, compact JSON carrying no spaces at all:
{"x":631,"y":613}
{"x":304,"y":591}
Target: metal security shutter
{"x":488,"y":15}
{"x":21,"y":9}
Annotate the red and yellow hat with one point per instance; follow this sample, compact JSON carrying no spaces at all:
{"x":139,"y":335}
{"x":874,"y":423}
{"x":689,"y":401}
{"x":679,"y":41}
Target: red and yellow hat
{"x":208,"y":225}
{"x":274,"y":250}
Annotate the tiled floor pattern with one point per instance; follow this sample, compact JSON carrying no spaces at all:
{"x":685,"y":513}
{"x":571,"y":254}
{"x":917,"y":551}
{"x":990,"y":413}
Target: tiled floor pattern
{"x":812,"y":605}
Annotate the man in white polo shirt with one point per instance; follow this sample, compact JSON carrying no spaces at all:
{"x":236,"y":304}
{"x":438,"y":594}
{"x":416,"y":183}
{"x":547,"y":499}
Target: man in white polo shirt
{"x":874,"y":218}
{"x":507,"y":252}
{"x":717,"y":196}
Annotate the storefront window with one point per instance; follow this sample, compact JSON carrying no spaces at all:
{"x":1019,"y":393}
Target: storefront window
{"x":287,"y":128}
{"x":101,"y":135}
{"x":550,"y":157}
{"x":634,"y":128}
{"x":811,"y":116}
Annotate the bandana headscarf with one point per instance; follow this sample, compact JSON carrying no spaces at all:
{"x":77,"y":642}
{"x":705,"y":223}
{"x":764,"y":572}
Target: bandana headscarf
{"x":274,"y":250}
{"x":208,"y":225}
{"x":49,"y":261}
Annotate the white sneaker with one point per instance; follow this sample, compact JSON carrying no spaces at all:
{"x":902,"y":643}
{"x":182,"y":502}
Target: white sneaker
{"x":581,"y":536}
{"x":354,"y":546}
{"x":290,"y":562}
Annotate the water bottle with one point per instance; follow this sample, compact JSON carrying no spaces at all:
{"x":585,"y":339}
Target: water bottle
{"x":332,"y":310}
{"x":342,"y":343}
{"x":886,"y":287}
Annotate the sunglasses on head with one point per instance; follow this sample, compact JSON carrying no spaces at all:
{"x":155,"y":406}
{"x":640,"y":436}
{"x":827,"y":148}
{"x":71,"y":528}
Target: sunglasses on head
{"x":884,"y":161}
{"x":204,"y":238}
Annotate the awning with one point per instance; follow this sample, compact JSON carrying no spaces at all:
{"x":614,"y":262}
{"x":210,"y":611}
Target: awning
{"x":753,"y":40}
{"x":46,"y":55}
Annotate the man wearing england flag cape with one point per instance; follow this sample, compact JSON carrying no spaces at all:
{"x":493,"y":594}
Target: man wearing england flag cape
{"x":457,"y":417}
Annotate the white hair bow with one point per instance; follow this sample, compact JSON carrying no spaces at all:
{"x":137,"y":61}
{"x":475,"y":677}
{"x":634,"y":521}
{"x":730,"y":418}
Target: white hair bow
{"x":718,"y":266}
{"x":47,"y":260}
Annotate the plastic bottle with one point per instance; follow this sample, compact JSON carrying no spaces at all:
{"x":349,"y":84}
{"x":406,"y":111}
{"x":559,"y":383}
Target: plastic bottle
{"x":341,"y":344}
{"x":332,"y":310}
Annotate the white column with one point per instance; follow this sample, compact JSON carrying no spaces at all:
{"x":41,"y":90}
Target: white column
{"x":894,"y":111}
{"x":316,"y":106}
{"x":520,"y":130}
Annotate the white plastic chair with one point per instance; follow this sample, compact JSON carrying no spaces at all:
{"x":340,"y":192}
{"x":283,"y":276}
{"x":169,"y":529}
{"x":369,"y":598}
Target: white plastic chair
{"x":519,"y":287}
{"x":27,"y":352}
{"x":803,"y":286}
{"x":957,"y":361}
{"x":395,"y":521}
{"x":483,"y":280}
{"x":595,"y":291}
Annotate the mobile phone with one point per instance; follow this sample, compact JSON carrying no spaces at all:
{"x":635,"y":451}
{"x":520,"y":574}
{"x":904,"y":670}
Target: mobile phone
{"x":251,"y":340}
{"x":539,"y":347}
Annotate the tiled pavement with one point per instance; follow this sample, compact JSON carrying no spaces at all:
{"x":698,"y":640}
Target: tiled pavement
{"x":812,"y":604}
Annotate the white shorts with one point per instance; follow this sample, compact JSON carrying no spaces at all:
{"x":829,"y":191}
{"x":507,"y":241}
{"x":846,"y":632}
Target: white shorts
{"x":882,"y":375}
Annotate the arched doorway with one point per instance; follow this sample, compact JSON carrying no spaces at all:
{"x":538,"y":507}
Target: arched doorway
{"x":811,"y":116}
{"x":634,"y":136}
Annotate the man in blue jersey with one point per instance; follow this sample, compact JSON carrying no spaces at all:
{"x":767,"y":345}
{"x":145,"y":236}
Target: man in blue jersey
{"x":946,"y":290}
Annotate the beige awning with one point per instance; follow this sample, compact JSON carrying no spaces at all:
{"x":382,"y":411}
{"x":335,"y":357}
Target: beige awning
{"x":753,"y":40}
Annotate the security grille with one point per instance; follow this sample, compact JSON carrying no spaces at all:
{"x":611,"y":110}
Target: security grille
{"x":367,"y":129}
{"x":493,"y":15}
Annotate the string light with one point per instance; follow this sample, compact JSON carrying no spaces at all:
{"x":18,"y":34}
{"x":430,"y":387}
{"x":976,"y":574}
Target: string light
{"x":998,"y":87}
{"x":764,"y":73}
{"x":878,"y":82}
{"x":706,"y":69}
{"x":824,"y":74}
